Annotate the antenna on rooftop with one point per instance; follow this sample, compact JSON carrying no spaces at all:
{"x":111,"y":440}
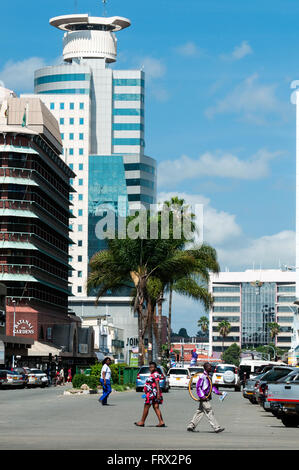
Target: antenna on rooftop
{"x":104,"y":7}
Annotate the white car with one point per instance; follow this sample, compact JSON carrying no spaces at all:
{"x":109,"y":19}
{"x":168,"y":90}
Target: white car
{"x":227,"y":375}
{"x":38,"y":378}
{"x":179,"y":377}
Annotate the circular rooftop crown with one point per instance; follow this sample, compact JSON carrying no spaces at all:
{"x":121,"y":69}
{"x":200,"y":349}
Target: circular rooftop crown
{"x":85,"y":22}
{"x":89,"y":36}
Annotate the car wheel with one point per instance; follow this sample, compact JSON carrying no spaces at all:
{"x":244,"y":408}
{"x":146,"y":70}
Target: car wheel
{"x":252,"y":401}
{"x":290,"y":421}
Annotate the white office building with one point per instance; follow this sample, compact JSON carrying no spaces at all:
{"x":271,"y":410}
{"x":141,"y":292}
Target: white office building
{"x":100,"y":111}
{"x":250,"y":300}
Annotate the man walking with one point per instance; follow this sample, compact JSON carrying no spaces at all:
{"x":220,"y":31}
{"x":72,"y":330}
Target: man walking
{"x":204,"y":389}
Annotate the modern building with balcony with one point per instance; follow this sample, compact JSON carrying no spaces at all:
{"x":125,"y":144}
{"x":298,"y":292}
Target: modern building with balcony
{"x":34,"y":225}
{"x":249,"y":301}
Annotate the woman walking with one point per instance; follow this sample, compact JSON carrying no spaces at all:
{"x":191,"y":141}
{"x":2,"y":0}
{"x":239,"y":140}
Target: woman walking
{"x":153,"y":396}
{"x":105,"y":380}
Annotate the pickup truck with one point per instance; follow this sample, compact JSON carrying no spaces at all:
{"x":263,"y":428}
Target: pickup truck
{"x":282,"y":398}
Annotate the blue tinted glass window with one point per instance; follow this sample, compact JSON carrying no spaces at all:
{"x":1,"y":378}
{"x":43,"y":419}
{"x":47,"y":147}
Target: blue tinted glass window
{"x":140,"y":182}
{"x":71,"y":165}
{"x":63,"y":77}
{"x":79,"y":289}
{"x":80,"y":197}
{"x":81,"y":136}
{"x":52,"y":105}
{"x":80,"y":228}
{"x":80,"y":182}
{"x":80,"y":243}
{"x":61,"y":121}
{"x":80,"y":166}
{"x":128,"y":97}
{"x":79,"y":273}
{"x":62,"y":136}
{"x":127,"y":127}
{"x":71,"y":121}
{"x":72,"y":106}
{"x":80,"y":212}
{"x":79,"y":258}
{"x":81,"y":121}
{"x":71,"y":136}
{"x":81,"y":106}
{"x":128,"y":142}
{"x":128,"y":82}
{"x":66,"y":91}
{"x":128,"y":112}
{"x":71,"y":151}
{"x":70,"y":197}
{"x":61,"y":105}
{"x":141,"y":198}
{"x":80,"y":151}
{"x":140,"y":167}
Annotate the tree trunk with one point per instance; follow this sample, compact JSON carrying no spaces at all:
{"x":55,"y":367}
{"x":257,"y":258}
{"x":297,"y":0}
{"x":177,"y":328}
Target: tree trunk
{"x":140,"y":337}
{"x":159,"y":348}
{"x":169,"y":318}
{"x":150,"y":319}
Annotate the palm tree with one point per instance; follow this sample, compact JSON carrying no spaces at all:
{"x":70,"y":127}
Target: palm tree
{"x":274,"y":329}
{"x":140,"y":264}
{"x":224,"y":327}
{"x":203,"y":324}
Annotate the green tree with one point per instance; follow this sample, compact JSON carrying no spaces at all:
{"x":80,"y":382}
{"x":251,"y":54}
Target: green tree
{"x":232,"y":355}
{"x":183,"y":332}
{"x":224,"y":328}
{"x":203,"y":324}
{"x":274,"y":329}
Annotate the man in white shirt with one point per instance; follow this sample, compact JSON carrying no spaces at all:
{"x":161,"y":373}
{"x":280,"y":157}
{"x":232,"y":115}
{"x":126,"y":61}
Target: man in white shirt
{"x":105,"y":380}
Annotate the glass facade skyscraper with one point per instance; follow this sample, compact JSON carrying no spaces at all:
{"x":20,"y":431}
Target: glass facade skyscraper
{"x":101,"y":114}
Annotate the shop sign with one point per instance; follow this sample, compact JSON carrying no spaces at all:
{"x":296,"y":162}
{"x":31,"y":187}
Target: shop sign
{"x":24,"y":327}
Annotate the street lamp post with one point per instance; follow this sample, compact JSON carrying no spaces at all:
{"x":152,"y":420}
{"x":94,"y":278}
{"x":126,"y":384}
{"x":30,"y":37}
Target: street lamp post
{"x":14,"y":327}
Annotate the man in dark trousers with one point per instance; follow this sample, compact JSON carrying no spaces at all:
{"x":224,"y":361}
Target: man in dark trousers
{"x":204,"y":389}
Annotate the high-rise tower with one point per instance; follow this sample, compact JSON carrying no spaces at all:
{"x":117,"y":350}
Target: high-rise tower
{"x":100,"y":111}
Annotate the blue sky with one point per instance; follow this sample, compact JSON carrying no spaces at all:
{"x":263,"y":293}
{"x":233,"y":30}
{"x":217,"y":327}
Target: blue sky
{"x":218,"y":113}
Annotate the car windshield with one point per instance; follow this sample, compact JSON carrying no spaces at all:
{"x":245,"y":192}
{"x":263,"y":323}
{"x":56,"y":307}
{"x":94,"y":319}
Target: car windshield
{"x":225,"y":368}
{"x":178,"y":372}
{"x":36,"y":371}
{"x":288,"y":377}
{"x":275,"y":374}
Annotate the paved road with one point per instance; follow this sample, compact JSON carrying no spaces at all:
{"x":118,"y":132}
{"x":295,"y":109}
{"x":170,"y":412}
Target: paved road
{"x":47,"y":419}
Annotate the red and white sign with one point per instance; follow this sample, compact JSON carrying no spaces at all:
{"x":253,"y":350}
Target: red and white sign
{"x":24,"y":327}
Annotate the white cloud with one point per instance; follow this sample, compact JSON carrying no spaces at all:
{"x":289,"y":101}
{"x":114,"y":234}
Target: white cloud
{"x":235,"y":250}
{"x":267,"y":251}
{"x":154,"y":68}
{"x":188,"y":49}
{"x":225,"y":165}
{"x":251,"y":99}
{"x":20,"y":75}
{"x":218,"y":226}
{"x":239,"y":52}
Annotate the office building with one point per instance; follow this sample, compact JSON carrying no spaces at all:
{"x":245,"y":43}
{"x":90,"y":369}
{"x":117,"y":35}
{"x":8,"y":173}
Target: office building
{"x":100,"y":111}
{"x":34,"y":228}
{"x":250,"y":300}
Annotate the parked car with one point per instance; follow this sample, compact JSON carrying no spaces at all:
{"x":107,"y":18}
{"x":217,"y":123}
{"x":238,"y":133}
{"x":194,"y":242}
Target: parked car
{"x":276,"y":373}
{"x":195,"y":370}
{"x":38,"y":378}
{"x":11,"y":379}
{"x":179,"y":377}
{"x":24,"y":371}
{"x":144,"y":373}
{"x":227,"y":375}
{"x":248,"y":389}
{"x":282,"y":398}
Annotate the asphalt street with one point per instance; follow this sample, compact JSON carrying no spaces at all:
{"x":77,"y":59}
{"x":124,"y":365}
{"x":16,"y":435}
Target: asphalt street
{"x":47,"y":419}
